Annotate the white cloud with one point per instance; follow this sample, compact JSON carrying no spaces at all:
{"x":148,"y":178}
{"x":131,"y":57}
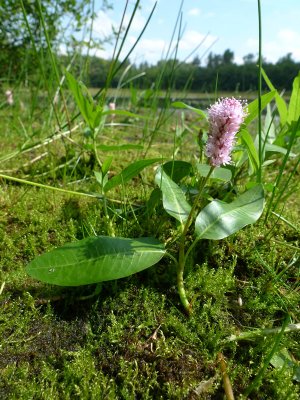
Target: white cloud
{"x":290,"y":42}
{"x":252,"y":45}
{"x":194,"y":12}
{"x":153,"y":50}
{"x":103,"y":24}
{"x":138,"y":22}
{"x":192,"y":39}
{"x":150,"y":50}
{"x":238,"y":59}
{"x":210,"y":15}
{"x":150,"y":5}
{"x":102,"y":53}
{"x":285,"y":41}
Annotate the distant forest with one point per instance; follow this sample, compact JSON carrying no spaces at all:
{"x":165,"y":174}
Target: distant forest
{"x":220,"y":70}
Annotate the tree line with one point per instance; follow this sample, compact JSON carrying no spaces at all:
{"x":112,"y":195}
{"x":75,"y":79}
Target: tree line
{"x":219,"y":71}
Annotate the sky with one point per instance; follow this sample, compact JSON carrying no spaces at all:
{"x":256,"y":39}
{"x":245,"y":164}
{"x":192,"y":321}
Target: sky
{"x":215,"y":24}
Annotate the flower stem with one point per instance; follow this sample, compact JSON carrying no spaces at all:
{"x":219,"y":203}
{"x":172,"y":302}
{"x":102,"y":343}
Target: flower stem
{"x":180,"y":284}
{"x":95,"y":132}
{"x":182,"y":258}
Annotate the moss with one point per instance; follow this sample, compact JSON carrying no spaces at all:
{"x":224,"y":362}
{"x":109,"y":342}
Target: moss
{"x":132,"y":341}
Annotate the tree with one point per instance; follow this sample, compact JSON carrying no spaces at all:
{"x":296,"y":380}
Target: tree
{"x":249,"y":58}
{"x":287,"y":59}
{"x":228,"y":57}
{"x":214,"y":60}
{"x":22,"y":31}
{"x":196,"y":61}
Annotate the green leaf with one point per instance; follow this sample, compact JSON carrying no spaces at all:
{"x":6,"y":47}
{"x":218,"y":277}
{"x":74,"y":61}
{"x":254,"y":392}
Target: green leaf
{"x":281,"y":105}
{"x":221,"y":174}
{"x":89,"y":111}
{"x":253,"y":106}
{"x":129,"y":172}
{"x":83,"y":102}
{"x":106,"y":165}
{"x":96,"y":259}
{"x":102,"y":176}
{"x":269,"y":128}
{"x":174,"y":201}
{"x":180,"y":104}
{"x":177,"y":170}
{"x":99,"y":177}
{"x":277,"y":149}
{"x":218,"y":219}
{"x":294,"y":105}
{"x":120,"y":147}
{"x":248,"y":142}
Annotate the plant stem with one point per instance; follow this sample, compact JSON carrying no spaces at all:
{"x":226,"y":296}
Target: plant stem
{"x":194,"y":206}
{"x":95,"y":148}
{"x":260,"y":155}
{"x":226,"y":381}
{"x":251,"y":335}
{"x":110,"y":228}
{"x":86,"y":194}
{"x":181,"y":258}
{"x":12,"y":178}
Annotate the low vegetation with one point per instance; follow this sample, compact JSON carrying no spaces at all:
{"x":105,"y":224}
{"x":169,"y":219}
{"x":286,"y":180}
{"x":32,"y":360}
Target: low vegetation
{"x":206,"y":315}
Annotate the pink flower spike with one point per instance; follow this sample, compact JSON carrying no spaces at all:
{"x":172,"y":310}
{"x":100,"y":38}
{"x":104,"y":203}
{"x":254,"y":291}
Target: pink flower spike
{"x":225,"y":118}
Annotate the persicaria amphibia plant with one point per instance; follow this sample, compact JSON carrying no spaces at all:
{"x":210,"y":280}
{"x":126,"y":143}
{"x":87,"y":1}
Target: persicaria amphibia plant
{"x":103,"y":258}
{"x":225,"y":118}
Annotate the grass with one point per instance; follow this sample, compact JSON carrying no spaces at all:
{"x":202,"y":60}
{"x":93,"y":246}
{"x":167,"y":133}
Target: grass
{"x":131,"y":339}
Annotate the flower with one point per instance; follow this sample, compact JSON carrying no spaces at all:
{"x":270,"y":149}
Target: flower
{"x":112,"y":106}
{"x":225,"y":118}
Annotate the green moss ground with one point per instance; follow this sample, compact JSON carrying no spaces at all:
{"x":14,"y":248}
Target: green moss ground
{"x":132,"y":341}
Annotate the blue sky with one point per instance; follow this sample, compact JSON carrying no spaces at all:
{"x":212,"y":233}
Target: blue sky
{"x":226,"y":24}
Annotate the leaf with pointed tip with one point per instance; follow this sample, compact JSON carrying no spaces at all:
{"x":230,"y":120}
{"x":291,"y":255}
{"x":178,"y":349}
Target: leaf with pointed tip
{"x":281,"y":105}
{"x":218,"y":219}
{"x":277,"y":149}
{"x":96,"y":259}
{"x":180,"y":104}
{"x":129,"y":172}
{"x":174,"y":201}
{"x":248,"y":142}
{"x":90,"y":112}
{"x":294,"y":105}
{"x":253,"y":106}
